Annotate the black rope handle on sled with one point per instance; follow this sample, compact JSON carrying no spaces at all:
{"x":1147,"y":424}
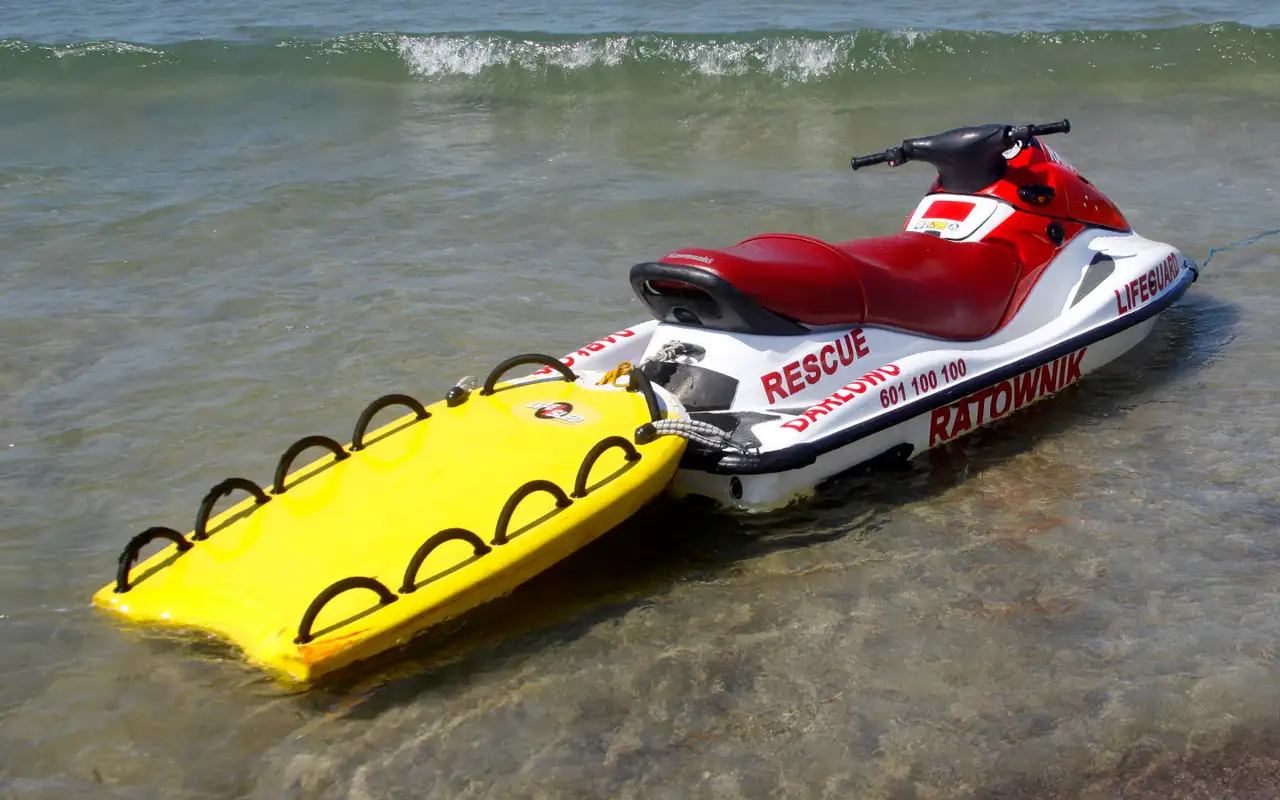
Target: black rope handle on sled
{"x":136,"y":544}
{"x":343,"y":586}
{"x":521,"y":360}
{"x":410,"y":583}
{"x":504,"y":518}
{"x":637,"y":381}
{"x":295,"y":449}
{"x":366,"y":416}
{"x":593,"y":455}
{"x":215,"y":494}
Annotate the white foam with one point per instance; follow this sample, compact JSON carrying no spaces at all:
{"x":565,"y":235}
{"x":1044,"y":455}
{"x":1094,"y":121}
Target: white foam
{"x":466,"y":55}
{"x":789,"y":58}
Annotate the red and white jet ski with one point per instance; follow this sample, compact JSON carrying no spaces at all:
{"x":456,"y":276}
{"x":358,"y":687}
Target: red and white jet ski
{"x":786,"y":360}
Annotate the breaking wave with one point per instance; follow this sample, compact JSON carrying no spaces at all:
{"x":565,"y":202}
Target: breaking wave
{"x":784,"y":56}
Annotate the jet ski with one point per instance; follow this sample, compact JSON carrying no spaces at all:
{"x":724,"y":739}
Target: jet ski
{"x":798,"y":359}
{"x":765,"y":368}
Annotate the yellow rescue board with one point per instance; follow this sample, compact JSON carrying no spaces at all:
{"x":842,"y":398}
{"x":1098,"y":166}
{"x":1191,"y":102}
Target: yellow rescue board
{"x":408,"y":526}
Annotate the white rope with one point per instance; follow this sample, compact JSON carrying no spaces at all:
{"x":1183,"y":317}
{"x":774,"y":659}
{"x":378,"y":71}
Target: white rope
{"x":698,"y":431}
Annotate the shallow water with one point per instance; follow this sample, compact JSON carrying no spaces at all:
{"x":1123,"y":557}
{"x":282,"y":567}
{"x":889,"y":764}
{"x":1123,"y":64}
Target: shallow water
{"x":209,"y":250}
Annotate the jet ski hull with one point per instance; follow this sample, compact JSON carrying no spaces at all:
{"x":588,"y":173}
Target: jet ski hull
{"x":797,"y":410}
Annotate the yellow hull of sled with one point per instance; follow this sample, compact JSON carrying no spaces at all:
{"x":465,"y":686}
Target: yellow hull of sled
{"x":355,"y":523}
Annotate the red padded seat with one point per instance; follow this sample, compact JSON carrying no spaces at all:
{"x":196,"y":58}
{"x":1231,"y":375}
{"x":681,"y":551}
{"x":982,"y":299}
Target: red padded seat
{"x":934,"y":286}
{"x":911,"y":281}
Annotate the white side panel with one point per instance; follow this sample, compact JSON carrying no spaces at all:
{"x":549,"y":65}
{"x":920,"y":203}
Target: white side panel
{"x":923,"y":432}
{"x":786,"y":371}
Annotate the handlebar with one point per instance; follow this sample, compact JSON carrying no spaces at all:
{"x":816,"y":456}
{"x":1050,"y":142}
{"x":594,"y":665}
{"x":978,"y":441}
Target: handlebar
{"x":857,"y":162}
{"x":1022,"y":135}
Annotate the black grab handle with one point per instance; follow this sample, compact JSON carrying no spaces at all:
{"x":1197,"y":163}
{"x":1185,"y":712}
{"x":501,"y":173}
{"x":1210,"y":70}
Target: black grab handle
{"x":306,"y":442}
{"x":217,"y":493}
{"x":140,"y":541}
{"x":385,"y":596}
{"x":593,"y":455}
{"x":366,"y":416}
{"x":520,"y":360}
{"x":639,"y":382}
{"x":447,"y":535}
{"x":504,"y":518}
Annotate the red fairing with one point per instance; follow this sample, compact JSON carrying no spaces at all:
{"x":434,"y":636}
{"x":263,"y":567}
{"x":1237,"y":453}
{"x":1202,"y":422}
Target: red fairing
{"x":1074,"y":198}
{"x":910,"y":281}
{"x":1026,"y":234}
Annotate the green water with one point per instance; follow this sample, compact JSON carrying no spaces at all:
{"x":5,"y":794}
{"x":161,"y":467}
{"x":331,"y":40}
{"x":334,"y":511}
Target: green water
{"x":213,"y":242}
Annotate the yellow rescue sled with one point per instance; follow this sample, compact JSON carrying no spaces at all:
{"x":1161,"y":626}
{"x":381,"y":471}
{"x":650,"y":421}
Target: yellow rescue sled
{"x":435,"y":513}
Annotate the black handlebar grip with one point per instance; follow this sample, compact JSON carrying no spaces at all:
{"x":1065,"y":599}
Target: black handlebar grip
{"x":1062,"y":126}
{"x":857,"y":162}
{"x":894,"y":156}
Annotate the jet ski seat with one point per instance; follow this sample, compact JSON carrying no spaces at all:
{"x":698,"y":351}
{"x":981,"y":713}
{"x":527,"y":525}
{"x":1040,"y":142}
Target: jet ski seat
{"x":776,"y":283}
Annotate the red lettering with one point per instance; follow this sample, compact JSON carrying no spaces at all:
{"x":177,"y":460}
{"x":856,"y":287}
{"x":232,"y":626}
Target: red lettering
{"x":1048,"y":379}
{"x":980,"y":398}
{"x":845,"y":360}
{"x":792,"y":373}
{"x":773,"y":387}
{"x":828,"y":350}
{"x":1120,"y":307}
{"x":1005,"y":397}
{"x":1003,"y":390}
{"x":962,"y":422}
{"x":1024,"y":390}
{"x":1142,"y":287}
{"x":938,"y":425}
{"x":845,"y":394}
{"x":1073,"y":366}
{"x":797,"y":424}
{"x":812,"y":372}
{"x":588,"y":349}
{"x":860,"y":343}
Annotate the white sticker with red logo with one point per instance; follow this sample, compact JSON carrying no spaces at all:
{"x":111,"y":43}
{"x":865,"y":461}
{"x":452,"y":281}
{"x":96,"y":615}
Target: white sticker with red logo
{"x":556,"y":411}
{"x":951,"y":216}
